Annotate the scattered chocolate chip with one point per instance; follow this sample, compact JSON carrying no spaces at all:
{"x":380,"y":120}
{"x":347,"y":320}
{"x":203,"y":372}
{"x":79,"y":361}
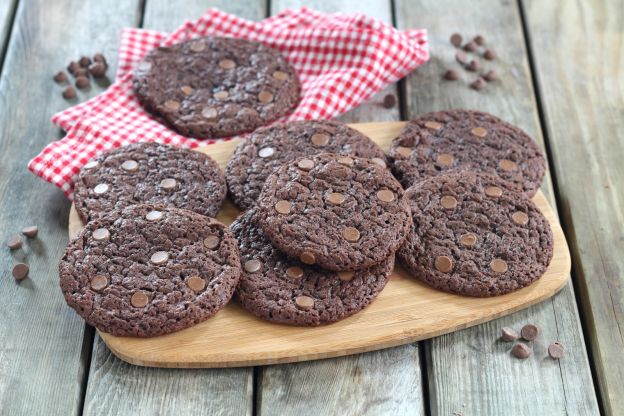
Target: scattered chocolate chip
{"x":81,"y":72}
{"x":456,"y":40}
{"x":266,"y":152}
{"x":280,"y":76}
{"x":433,"y":125}
{"x":82,"y":82}
{"x":445,"y":159}
{"x":73,"y":67}
{"x":294,"y":272}
{"x":521,"y":351}
{"x":168,"y":183}
{"x":468,"y":239}
{"x":139,"y":300}
{"x":265,"y":97}
{"x":304,"y":302}
{"x":508,"y":165}
{"x":451,"y":75}
{"x":335,"y":198}
{"x":443,"y":264}
{"x":493,"y":191}
{"x":98,"y":57}
{"x":379,"y":162}
{"x":489,"y":54}
{"x":159,"y":257}
{"x":389,"y":101}
{"x":479,"y":132}
{"x":385,"y":195}
{"x":307,"y":258}
{"x":211,"y":242}
{"x":101,"y":234}
{"x":85,"y":61}
{"x":100,"y":188}
{"x":498,"y":266}
{"x":508,"y":334}
{"x":319,"y":139}
{"x":556,"y":350}
{"x":98,"y":69}
{"x":479,"y":40}
{"x":448,"y":202}
{"x":529,"y":332}
{"x":473,"y":65}
{"x":172,"y":105}
{"x":130,"y":165}
{"x":20,"y":271}
{"x":227,"y":64}
{"x":186,"y":90}
{"x":222,"y":95}
{"x":14,"y":242}
{"x":478,"y":84}
{"x":404,"y":151}
{"x":31,"y":231}
{"x":461,"y":57}
{"x":351,"y":234}
{"x":283,"y":207}
{"x":346,"y":276}
{"x":470,"y":46}
{"x":196,"y":283}
{"x":99,"y":282}
{"x":60,"y":77}
{"x":305,"y":164}
{"x":490,"y":76}
{"x":252,"y":266}
{"x":69,"y":92}
{"x":209,"y":113}
{"x":520,"y":218}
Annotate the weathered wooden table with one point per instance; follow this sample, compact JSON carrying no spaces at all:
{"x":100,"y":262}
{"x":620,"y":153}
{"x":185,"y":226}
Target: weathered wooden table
{"x":562,"y":81}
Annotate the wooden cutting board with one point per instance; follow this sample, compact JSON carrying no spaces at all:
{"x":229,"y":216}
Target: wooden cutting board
{"x":406,"y":310}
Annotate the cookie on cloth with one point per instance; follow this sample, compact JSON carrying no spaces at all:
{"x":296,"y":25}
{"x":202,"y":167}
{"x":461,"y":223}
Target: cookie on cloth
{"x":338,"y":212}
{"x":149,"y":173}
{"x":475,"y":235}
{"x":216,"y":86}
{"x":277,"y":288}
{"x":149,"y":270}
{"x":268,"y":148}
{"x":455,"y":140}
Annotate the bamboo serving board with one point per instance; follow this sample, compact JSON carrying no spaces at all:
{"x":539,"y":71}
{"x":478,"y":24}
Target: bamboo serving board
{"x":405,"y":311}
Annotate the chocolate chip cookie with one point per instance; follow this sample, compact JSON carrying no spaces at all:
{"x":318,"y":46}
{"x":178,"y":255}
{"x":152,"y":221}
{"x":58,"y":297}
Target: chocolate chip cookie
{"x":339,"y":212}
{"x":149,"y":173}
{"x":270,"y":147}
{"x":149,"y":270}
{"x":277,"y":288}
{"x":216,"y":86}
{"x":474,"y":235}
{"x":456,"y":140}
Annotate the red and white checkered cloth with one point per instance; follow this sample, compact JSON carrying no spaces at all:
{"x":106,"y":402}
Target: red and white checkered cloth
{"x":341,"y":60}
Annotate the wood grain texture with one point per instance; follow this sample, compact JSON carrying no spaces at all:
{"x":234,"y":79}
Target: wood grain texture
{"x":42,"y":355}
{"x":303,"y":388}
{"x":578,"y":66}
{"x":470,"y":367}
{"x":118,"y":388}
{"x":406,"y":310}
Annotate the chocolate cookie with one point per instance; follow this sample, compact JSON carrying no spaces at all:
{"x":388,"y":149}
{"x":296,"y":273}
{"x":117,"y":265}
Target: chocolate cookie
{"x":149,"y":173}
{"x":457,"y":140}
{"x":215,"y":86}
{"x":277,"y":288}
{"x":474,"y":235}
{"x":149,"y":270}
{"x":339,"y":212}
{"x":269,"y":148}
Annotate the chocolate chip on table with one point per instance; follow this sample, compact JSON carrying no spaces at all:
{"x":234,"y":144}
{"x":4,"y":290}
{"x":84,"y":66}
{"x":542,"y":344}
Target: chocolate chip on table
{"x":529,"y":332}
{"x":489,"y":54}
{"x":477,"y":84}
{"x":389,"y":101}
{"x":451,"y":75}
{"x":31,"y":231}
{"x":456,"y":40}
{"x":81,"y":72}
{"x":98,"y":57}
{"x":73,"y":67}
{"x":473,"y":65}
{"x":82,"y":82}
{"x":490,"y":76}
{"x":521,"y":351}
{"x":461,"y":57}
{"x":556,"y":350}
{"x":470,"y":46}
{"x":69,"y":93}
{"x":508,"y":334}
{"x":60,"y":77}
{"x":479,"y":40}
{"x":20,"y":271}
{"x":14,"y":242}
{"x":98,"y":69}
{"x":85,"y":61}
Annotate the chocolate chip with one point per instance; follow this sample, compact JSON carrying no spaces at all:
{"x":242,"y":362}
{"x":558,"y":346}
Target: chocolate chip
{"x":168,"y":183}
{"x":443,"y":264}
{"x":479,"y":132}
{"x":389,"y":101}
{"x":209,"y":112}
{"x":265,"y":97}
{"x":82,"y":82}
{"x":351,"y":234}
{"x":14,"y":242}
{"x":99,"y":282}
{"x":85,"y":61}
{"x":478,"y":84}
{"x":221,"y":95}
{"x":252,"y":266}
{"x":101,"y":234}
{"x":385,"y":195}
{"x":479,"y":40}
{"x":139,"y":300}
{"x":470,"y":46}
{"x":404,"y":151}
{"x":507,"y":165}
{"x":159,"y":257}
{"x":130,"y":165}
{"x":100,"y":188}
{"x":266,"y":152}
{"x":433,"y":125}
{"x":305,"y":164}
{"x":211,"y":242}
{"x":307,"y":258}
{"x":490,"y":76}
{"x":445,"y":159}
{"x":529,"y":332}
{"x":227,"y":64}
{"x":346,"y":276}
{"x":461,"y":57}
{"x":198,"y":46}
{"x":379,"y":162}
{"x":73,"y":67}
{"x":196,"y":283}
{"x":81,"y":72}
{"x":283,"y":207}
{"x":456,"y":40}
{"x":508,"y":334}
{"x":489,"y":54}
{"x":98,"y":57}
{"x":520,"y":218}
{"x":98,"y":69}
{"x":20,"y":271}
{"x":468,"y":239}
{"x":294,"y":272}
{"x":451,"y":75}
{"x":521,"y":351}
{"x":280,"y":76}
{"x":91,"y":164}
{"x":153,"y":215}
{"x":172,"y":105}
{"x":186,"y":90}
{"x":498,"y":266}
{"x":448,"y":202}
{"x":60,"y":77}
{"x":493,"y":191}
{"x":69,"y":92}
{"x":473,"y":65}
{"x":31,"y":231}
{"x":556,"y":350}
{"x":304,"y":302}
{"x":319,"y":139}
{"x":336,"y":198}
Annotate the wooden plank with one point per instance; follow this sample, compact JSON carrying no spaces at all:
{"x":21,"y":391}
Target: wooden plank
{"x":471,"y":371}
{"x":355,"y":384}
{"x":43,"y":346}
{"x":579,"y":64}
{"x":118,"y":388}
{"x":7,"y":7}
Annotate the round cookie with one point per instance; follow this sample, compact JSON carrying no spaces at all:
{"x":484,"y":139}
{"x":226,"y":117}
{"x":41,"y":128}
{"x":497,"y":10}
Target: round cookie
{"x":216,"y":86}
{"x":149,"y":173}
{"x":474,"y":235}
{"x":339,"y":212}
{"x":268,"y":148}
{"x":277,"y":288}
{"x":457,"y":140}
{"x":149,"y":270}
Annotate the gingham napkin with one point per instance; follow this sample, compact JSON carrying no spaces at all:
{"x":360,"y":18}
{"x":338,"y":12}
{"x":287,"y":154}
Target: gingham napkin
{"x":341,"y":60}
